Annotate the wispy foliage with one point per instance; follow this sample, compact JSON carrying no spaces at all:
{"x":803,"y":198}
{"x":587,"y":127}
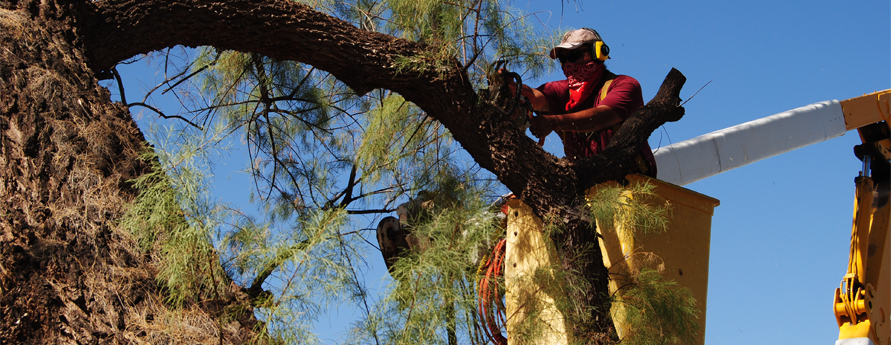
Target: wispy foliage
{"x":657,"y":311}
{"x":433,"y":298}
{"x":174,"y":218}
{"x":649,"y":308}
{"x":633,"y":210}
{"x":290,"y":274}
{"x":477,"y":33}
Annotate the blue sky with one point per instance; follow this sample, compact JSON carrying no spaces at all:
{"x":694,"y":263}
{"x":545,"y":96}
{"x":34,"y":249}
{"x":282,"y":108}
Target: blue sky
{"x":780,"y":237}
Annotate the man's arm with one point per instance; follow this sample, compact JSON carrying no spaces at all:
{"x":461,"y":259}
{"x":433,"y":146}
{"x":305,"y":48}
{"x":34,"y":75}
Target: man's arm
{"x":538,"y":99}
{"x":588,"y":120}
{"x":623,"y":99}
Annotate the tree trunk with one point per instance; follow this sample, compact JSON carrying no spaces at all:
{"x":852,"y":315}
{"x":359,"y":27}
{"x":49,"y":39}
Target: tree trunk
{"x":66,"y":273}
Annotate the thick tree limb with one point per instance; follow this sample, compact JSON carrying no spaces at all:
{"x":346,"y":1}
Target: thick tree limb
{"x":112,"y":31}
{"x":286,"y":30}
{"x":364,"y":61}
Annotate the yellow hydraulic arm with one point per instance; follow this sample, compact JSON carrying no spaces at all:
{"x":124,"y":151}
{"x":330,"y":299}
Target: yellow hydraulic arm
{"x":862,"y":304}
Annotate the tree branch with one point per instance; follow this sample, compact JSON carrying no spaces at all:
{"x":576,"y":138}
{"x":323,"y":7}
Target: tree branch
{"x":161,"y":114}
{"x":286,"y":30}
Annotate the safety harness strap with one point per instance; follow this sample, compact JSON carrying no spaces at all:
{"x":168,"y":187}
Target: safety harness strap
{"x":641,"y":161}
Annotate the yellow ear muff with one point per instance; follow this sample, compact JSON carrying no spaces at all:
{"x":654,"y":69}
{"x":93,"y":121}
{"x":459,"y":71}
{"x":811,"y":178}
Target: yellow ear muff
{"x":601,"y":50}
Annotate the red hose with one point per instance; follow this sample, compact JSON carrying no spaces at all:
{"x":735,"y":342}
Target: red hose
{"x":492,"y":316}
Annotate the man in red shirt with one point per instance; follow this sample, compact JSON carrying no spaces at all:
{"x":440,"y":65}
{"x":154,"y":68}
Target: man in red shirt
{"x":583,"y":114}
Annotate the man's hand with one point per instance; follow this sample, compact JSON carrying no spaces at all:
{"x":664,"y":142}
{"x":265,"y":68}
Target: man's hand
{"x":540,"y":126}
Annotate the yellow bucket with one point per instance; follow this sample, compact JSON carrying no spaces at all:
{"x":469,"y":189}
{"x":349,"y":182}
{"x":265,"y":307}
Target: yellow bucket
{"x":683,"y":250}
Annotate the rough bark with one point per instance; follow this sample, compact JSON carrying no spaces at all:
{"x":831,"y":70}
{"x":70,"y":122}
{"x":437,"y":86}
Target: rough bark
{"x":68,"y":150}
{"x":68,"y":275}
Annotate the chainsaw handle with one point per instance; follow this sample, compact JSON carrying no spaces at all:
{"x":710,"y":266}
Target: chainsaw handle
{"x":508,"y":75}
{"x":518,"y":99}
{"x":541,"y":140}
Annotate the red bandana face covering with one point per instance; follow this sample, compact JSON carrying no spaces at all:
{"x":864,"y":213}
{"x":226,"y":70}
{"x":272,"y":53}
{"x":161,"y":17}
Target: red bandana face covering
{"x":582,"y":80}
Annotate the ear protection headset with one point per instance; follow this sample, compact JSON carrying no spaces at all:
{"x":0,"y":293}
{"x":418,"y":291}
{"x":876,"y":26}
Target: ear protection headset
{"x":600,"y":50}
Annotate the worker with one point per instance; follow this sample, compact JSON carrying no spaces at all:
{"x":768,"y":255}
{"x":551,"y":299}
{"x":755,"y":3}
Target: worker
{"x":583,"y":115}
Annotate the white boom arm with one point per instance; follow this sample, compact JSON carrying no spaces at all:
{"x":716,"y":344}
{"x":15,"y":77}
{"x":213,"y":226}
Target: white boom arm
{"x":730,"y":148}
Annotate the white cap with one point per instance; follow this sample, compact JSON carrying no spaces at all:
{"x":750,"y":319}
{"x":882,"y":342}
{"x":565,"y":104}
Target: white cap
{"x":575,"y":38}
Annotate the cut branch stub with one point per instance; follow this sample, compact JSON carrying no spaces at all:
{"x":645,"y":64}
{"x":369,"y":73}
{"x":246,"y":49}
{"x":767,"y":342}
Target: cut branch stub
{"x":618,"y":158}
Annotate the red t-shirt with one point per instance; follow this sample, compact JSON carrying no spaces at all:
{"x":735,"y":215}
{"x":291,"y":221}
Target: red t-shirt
{"x":624,"y":97}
